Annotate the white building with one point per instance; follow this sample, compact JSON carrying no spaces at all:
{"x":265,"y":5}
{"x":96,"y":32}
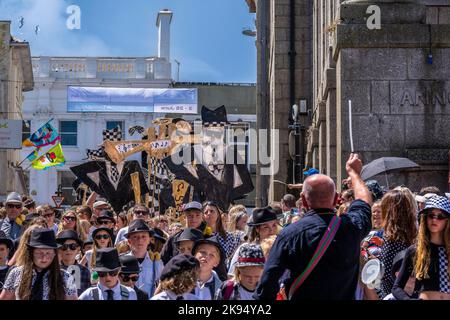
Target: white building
{"x":81,"y":131}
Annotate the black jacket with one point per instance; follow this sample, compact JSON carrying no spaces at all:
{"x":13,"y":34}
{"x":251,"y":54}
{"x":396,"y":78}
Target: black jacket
{"x":336,"y":274}
{"x":95,"y":176}
{"x":170,"y":250}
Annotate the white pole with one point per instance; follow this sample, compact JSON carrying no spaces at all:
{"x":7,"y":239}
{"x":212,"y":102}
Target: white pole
{"x":350,"y":125}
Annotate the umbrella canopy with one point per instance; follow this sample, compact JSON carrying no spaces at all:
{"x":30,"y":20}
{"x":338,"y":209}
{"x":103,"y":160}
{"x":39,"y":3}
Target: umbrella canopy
{"x":385,"y":164}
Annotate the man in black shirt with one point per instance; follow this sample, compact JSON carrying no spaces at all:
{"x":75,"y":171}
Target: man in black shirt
{"x":336,"y":274}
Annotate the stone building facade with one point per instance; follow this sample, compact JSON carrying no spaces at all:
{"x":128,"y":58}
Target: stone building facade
{"x":16,"y":77}
{"x":400,"y":97}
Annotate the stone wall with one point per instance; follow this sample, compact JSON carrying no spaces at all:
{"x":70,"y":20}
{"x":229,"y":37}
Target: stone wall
{"x":400,"y":103}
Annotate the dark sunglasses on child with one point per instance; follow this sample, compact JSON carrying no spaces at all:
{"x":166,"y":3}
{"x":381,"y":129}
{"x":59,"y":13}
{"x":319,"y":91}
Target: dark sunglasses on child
{"x":101,"y":236}
{"x":103,"y":274}
{"x":436,"y":216}
{"x":71,"y":246}
{"x":102,"y":222}
{"x":17,"y":206}
{"x":125,"y":277}
{"x":141,"y":213}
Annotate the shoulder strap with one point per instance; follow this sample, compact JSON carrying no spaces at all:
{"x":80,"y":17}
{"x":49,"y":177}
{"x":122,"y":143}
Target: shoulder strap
{"x":320,"y":251}
{"x":124,"y":292}
{"x":95,"y":293}
{"x":228,"y":290}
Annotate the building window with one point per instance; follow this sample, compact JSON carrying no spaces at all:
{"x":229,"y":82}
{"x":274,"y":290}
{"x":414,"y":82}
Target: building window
{"x":26,"y":129}
{"x":114,"y":124}
{"x":68,"y":131}
{"x":65,"y":180}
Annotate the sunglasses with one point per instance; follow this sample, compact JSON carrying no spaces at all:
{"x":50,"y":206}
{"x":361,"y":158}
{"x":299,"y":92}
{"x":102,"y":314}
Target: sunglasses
{"x":102,"y":222}
{"x":103,"y":274}
{"x":141,"y":213}
{"x":11,"y":206}
{"x":102,"y":236}
{"x":127,"y":278}
{"x":72,"y":246}
{"x":436,"y":216}
{"x":70,"y":218}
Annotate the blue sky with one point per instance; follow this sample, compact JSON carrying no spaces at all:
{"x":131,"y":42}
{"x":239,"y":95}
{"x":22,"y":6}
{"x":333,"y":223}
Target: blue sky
{"x":206,"y":35}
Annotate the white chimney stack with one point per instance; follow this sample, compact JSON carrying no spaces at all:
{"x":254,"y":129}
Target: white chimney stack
{"x":163,"y":23}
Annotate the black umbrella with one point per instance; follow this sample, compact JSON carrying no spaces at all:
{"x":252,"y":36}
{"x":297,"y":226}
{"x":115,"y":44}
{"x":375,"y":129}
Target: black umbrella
{"x":386,"y":164}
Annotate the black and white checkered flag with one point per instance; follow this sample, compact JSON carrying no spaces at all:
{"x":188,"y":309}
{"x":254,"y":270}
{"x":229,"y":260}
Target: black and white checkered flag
{"x":139,"y":130}
{"x":112,"y":135}
{"x":98,"y":154}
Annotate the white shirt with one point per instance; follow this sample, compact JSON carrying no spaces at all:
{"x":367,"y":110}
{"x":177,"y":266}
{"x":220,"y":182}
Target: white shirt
{"x":103,"y":295}
{"x":202,"y":292}
{"x":169,"y":295}
{"x":246,"y":295}
{"x":121,"y":235}
{"x":149,"y":275}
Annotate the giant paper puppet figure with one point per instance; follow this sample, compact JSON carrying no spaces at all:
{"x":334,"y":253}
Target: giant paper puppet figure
{"x":110,"y":180}
{"x":209,"y":172}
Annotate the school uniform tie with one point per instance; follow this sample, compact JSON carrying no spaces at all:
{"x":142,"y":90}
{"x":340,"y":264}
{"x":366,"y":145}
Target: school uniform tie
{"x":114,"y":173}
{"x":180,"y":298}
{"x":110,"y":294}
{"x":37,"y":291}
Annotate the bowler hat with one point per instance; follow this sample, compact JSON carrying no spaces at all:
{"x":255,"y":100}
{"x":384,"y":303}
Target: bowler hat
{"x":68,"y":235}
{"x":191,"y":234}
{"x":4,"y":240}
{"x":178,"y":264}
{"x":106,"y":215}
{"x":107,"y":259}
{"x":262,"y":215}
{"x":138,"y":225}
{"x":437,"y":202}
{"x":159,"y":234}
{"x":43,"y":238}
{"x":97,"y":230}
{"x":129,"y":264}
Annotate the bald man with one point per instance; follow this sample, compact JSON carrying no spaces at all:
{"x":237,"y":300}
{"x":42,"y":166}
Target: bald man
{"x":336,"y":274}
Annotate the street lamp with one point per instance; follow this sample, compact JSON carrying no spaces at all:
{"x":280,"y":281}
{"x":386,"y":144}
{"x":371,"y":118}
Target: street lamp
{"x":178,"y":69}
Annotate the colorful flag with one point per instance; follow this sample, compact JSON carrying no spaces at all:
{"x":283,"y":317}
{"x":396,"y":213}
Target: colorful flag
{"x":44,"y":136}
{"x":53,"y":157}
{"x":33,"y":155}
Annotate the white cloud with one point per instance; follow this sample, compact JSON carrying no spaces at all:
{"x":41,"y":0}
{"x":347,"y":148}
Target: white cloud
{"x":53,"y":39}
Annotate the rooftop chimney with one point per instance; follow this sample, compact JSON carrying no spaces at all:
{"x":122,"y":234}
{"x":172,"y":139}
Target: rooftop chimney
{"x":163,"y":23}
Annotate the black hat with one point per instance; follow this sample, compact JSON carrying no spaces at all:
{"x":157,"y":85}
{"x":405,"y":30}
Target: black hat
{"x":29,"y":217}
{"x":106,"y":215}
{"x":88,"y":241}
{"x":159,"y":234}
{"x":262,"y":215}
{"x":107,"y":259}
{"x":211,"y":241}
{"x":29,"y":203}
{"x":4,"y":240}
{"x":138,"y":225}
{"x":43,"y":238}
{"x":191,"y":234}
{"x":68,"y":235}
{"x":97,"y":230}
{"x":178,"y":264}
{"x":129,"y":264}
